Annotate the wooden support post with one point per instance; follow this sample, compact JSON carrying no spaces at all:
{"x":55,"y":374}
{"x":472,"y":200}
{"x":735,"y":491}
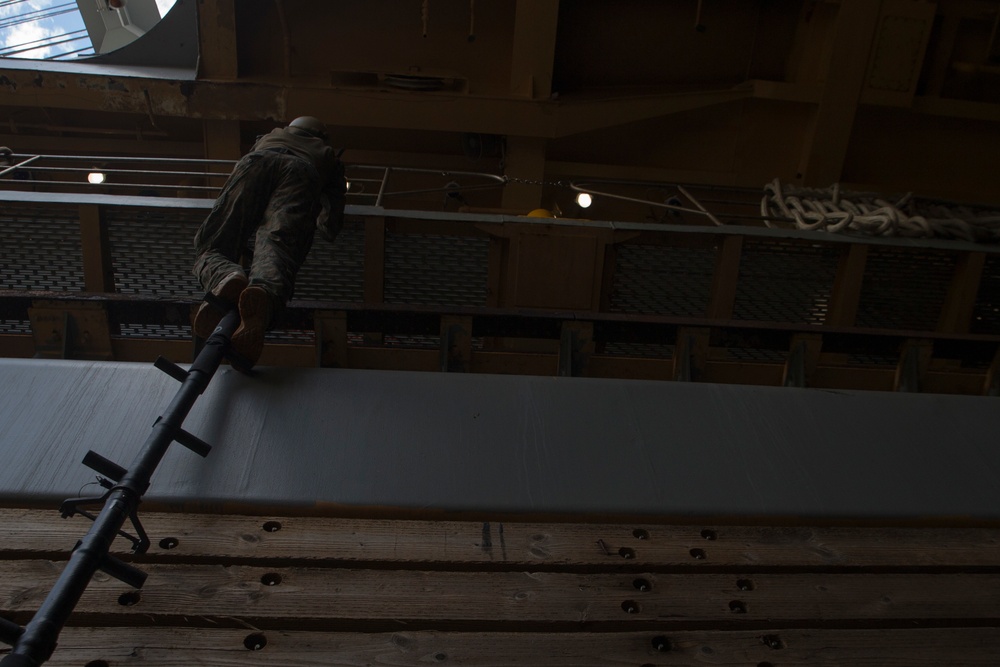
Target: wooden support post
{"x":217,"y":39}
{"x":331,"y":338}
{"x":98,"y":270}
{"x":803,"y":357}
{"x":690,"y":354}
{"x":497,"y":270}
{"x":991,"y":385}
{"x":725,"y":278}
{"x":829,"y":134}
{"x":576,"y":346}
{"x":845,"y":297}
{"x":914,"y":358}
{"x":959,"y":304}
{"x":456,"y":344}
{"x":525,"y":161}
{"x":374,"y":271}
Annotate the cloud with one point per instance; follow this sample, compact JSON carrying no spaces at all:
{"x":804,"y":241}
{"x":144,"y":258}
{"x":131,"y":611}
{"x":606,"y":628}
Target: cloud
{"x":31,"y":31}
{"x":27,"y":32}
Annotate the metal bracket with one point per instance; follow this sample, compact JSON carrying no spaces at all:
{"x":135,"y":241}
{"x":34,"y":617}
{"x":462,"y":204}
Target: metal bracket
{"x":913,"y":361}
{"x":456,"y":344}
{"x":803,"y":357}
{"x":690,"y":354}
{"x":71,"y":506}
{"x":65,"y":330}
{"x":331,"y":338}
{"x":576,"y":344}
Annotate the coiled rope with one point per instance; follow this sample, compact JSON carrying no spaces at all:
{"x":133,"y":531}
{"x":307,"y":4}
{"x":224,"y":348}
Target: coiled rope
{"x":830,"y":210}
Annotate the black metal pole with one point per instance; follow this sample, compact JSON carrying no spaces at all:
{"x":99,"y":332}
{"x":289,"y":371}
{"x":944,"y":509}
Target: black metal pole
{"x":38,"y":640}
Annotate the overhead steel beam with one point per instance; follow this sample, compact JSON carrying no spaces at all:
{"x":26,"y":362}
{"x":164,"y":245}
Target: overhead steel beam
{"x":122,"y":91}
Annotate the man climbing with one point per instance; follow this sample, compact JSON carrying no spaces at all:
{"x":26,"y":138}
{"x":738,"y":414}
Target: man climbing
{"x":288,"y":186}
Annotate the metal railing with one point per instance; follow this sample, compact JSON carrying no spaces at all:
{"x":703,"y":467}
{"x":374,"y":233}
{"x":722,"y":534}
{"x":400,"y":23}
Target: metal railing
{"x":775,"y":205}
{"x":203,"y":178}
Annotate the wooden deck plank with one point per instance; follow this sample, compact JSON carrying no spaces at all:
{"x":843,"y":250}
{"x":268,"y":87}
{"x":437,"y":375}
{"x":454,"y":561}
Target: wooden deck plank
{"x":175,"y":647}
{"x":375,"y":599}
{"x":482,"y":545}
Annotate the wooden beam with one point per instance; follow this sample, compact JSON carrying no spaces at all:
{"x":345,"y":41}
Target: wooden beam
{"x":222,"y":140}
{"x":725,"y":278}
{"x":374,"y":278}
{"x":525,"y":162}
{"x":803,"y":358}
{"x":140,"y":145}
{"x":829,"y":134}
{"x":534,"y":48}
{"x":576,"y":348}
{"x":960,"y":302}
{"x":499,"y":258}
{"x":456,"y":344}
{"x":845,"y":297}
{"x":923,"y":647}
{"x":269,"y":102}
{"x":359,"y":540}
{"x":384,"y":599}
{"x":98,"y":269}
{"x":898,"y":51}
{"x":331,"y":339}
{"x":691,"y":354}
{"x":835,"y":374}
{"x":217,"y":57}
{"x":17,"y":346}
{"x":914,"y":359}
{"x":941,"y":54}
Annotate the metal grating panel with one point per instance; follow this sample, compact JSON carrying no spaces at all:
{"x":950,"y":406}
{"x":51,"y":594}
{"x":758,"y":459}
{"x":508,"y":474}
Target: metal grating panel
{"x":661,"y":280}
{"x":41,"y":249}
{"x":986,"y":315}
{"x":335,"y":272}
{"x":291,"y":336}
{"x":158,"y":331}
{"x":782,"y":281}
{"x":412,"y":342}
{"x":904,"y":288}
{"x":756,"y":354}
{"x":644,"y":350}
{"x":153,"y":251}
{"x":438,"y":270}
{"x":15,"y":327}
{"x":873,"y":360}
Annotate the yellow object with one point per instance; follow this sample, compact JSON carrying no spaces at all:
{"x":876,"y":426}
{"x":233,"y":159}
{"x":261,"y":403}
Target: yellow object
{"x":541,"y":213}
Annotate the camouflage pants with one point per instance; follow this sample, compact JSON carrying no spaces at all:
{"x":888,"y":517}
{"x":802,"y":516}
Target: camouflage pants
{"x":276,"y":195}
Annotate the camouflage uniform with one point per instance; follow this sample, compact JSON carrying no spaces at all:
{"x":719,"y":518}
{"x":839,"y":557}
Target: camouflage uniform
{"x":286,"y":188}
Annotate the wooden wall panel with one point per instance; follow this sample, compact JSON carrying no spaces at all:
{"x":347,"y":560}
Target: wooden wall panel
{"x":312,"y":541}
{"x":306,"y":591}
{"x":222,"y":647}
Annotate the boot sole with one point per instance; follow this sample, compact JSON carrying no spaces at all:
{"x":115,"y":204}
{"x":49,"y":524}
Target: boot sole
{"x":207,"y":317}
{"x":248,"y":339}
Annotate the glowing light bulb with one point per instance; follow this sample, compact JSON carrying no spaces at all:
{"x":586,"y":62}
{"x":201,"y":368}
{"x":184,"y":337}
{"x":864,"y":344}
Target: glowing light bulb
{"x":95,"y":177}
{"x":584,"y":200}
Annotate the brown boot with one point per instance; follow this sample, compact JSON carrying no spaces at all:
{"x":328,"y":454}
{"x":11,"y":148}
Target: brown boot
{"x":207,"y":317}
{"x":255,"y":316}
